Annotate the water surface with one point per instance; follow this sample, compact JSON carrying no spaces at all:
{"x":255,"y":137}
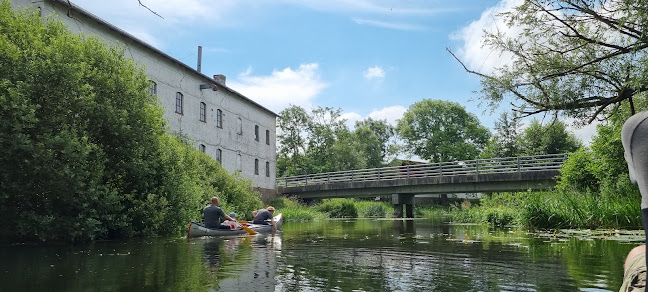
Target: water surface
{"x":339,"y":255}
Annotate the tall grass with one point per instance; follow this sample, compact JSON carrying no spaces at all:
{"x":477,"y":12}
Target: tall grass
{"x":611,"y":208}
{"x":616,"y":205}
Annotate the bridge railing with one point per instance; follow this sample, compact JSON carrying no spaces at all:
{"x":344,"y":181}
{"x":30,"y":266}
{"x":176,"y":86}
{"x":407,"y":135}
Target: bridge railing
{"x":478,"y":166}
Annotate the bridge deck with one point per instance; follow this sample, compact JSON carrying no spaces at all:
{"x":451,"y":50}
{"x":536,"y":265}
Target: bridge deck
{"x":473,"y":176}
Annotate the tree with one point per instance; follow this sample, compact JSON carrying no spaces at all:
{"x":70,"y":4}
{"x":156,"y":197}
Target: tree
{"x":552,"y":138}
{"x":578,"y":58}
{"x":376,"y":138}
{"x":442,"y":131}
{"x":323,"y":130}
{"x":293,"y":126}
{"x":506,"y":140}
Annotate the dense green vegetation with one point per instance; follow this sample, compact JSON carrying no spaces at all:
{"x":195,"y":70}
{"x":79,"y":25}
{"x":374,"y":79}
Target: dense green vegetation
{"x":294,"y":210}
{"x":441,"y":131}
{"x":85,"y":152}
{"x":320,"y":141}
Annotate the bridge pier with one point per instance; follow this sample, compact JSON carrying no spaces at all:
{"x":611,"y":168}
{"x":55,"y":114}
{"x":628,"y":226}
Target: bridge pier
{"x":400,"y":200}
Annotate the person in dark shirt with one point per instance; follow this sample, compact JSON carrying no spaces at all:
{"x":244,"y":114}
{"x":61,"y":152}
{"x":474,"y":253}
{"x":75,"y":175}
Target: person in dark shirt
{"x":213,"y":215}
{"x":265,"y":214}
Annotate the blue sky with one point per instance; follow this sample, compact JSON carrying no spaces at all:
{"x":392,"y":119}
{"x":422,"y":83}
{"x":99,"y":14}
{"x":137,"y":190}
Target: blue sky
{"x":371,"y":58}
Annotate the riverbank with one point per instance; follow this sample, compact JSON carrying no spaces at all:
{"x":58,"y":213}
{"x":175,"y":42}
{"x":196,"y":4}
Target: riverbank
{"x":538,"y":210}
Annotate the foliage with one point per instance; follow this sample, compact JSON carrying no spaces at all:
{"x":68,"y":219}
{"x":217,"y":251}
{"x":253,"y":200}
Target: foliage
{"x":339,"y":208}
{"x":293,"y":122}
{"x":506,"y":140}
{"x":580,"y":58}
{"x":611,"y":209}
{"x":320,"y":141}
{"x":369,"y":209}
{"x":376,"y":138}
{"x":442,"y":131}
{"x":85,"y":152}
{"x":603,"y":163}
{"x":293,"y":210}
{"x":552,"y":138}
{"x":577,"y":173}
{"x":614,"y":206}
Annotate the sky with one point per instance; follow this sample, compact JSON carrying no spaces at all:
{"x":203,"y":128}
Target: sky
{"x":369,"y":58}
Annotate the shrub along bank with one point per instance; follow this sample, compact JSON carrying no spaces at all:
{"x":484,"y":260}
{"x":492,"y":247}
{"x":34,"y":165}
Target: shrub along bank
{"x":294,"y":210}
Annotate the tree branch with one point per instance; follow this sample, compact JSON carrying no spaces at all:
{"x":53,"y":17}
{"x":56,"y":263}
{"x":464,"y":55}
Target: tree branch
{"x":149,"y":9}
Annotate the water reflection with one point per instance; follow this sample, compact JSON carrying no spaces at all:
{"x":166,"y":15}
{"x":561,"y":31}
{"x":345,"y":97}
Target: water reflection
{"x":364,"y":255}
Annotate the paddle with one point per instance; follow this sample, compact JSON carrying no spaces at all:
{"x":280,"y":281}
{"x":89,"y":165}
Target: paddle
{"x":249,"y":230}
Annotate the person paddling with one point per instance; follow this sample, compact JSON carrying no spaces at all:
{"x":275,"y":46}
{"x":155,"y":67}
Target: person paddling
{"x":265,"y":214}
{"x":213,"y":214}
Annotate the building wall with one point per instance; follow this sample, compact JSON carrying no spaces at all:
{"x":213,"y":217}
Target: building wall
{"x":236,"y":138}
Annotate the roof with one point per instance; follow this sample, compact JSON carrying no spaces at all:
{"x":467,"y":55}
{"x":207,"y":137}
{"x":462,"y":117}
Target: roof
{"x":108,"y":25}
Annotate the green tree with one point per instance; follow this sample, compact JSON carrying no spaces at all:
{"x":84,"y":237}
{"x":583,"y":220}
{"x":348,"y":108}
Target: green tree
{"x":376,"y":141}
{"x":506,"y":140}
{"x":293,"y":125}
{"x":323,"y":130}
{"x":602,"y":163}
{"x":442,"y":131}
{"x":580,"y":58}
{"x":552,"y":138}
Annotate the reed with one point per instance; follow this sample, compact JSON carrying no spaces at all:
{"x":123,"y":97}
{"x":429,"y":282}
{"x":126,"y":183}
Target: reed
{"x":614,"y":205}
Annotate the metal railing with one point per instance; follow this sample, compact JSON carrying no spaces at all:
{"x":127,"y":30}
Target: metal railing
{"x":479,"y":166}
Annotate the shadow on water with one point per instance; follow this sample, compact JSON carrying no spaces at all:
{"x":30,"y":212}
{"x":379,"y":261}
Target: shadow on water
{"x":337,"y":255}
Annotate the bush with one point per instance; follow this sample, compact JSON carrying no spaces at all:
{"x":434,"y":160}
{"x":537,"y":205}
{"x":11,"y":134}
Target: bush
{"x":339,"y":208}
{"x":374,"y":209}
{"x":293,"y":209}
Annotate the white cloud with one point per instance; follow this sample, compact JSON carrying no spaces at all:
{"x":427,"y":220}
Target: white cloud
{"x":390,"y":25}
{"x":375,"y":72}
{"x":281,"y":88}
{"x":390,"y":113}
{"x":351,"y":118}
{"x":473,"y":53}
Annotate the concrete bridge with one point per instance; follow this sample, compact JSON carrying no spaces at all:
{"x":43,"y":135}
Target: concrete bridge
{"x":405,"y":182}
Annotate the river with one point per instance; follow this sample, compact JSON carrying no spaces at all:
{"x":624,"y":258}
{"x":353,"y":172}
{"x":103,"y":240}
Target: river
{"x":336,"y":255}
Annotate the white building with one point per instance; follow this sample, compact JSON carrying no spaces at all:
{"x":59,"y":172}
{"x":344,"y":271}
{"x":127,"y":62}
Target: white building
{"x":223,"y":123}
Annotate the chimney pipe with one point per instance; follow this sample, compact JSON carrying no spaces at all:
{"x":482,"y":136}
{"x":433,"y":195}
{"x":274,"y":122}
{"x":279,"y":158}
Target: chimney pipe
{"x":220,"y":79}
{"x":199,"y":58}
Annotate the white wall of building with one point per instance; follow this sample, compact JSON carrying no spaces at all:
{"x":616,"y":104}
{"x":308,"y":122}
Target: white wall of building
{"x":236,"y":138}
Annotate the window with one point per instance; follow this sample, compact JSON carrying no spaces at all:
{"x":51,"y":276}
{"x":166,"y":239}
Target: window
{"x":240,"y":126}
{"x":256,"y":132}
{"x":219,"y":118}
{"x":202,"y":147}
{"x":203,"y":112}
{"x":267,"y":169}
{"x":267,"y":137}
{"x":219,"y":156}
{"x":239,"y":165}
{"x":179,"y":102}
{"x":256,"y":166}
{"x":153,"y":88}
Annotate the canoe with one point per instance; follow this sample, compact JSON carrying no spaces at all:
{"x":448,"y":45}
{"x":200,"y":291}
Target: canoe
{"x":196,"y":229}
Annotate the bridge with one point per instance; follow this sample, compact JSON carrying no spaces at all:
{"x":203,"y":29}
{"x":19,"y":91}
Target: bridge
{"x":405,"y":182}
